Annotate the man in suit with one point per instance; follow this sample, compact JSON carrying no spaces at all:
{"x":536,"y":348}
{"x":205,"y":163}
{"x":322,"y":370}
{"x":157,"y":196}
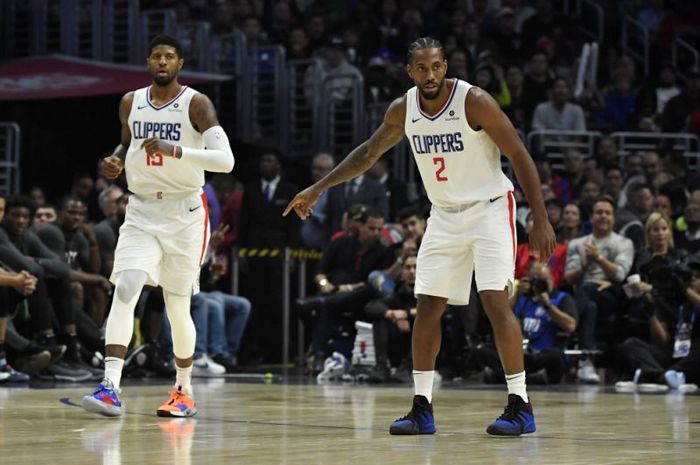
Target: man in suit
{"x":263,"y":226}
{"x":362,"y":189}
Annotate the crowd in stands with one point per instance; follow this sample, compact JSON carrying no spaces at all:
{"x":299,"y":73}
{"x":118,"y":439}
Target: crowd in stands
{"x":622,"y":287}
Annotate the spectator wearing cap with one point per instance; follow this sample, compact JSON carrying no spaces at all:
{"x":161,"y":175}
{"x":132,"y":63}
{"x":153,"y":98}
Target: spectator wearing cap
{"x":559,"y":113}
{"x":679,"y":108}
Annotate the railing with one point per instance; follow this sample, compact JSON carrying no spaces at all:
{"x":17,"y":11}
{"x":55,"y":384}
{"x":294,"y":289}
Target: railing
{"x":628,"y":142}
{"x":338,"y":119}
{"x":81,"y":28}
{"x":553,"y":144}
{"x":121,"y":39}
{"x":268,"y":96}
{"x":683,"y":55}
{"x":9,"y":157}
{"x":301,"y":140}
{"x":592,"y":19}
{"x":231,"y":57}
{"x":195,"y":37}
{"x":154,"y":22}
{"x":635,"y":41}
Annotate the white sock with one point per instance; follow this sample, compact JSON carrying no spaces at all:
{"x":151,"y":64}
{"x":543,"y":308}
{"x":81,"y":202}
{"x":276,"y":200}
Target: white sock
{"x":183,"y":378}
{"x":113,"y":370}
{"x":423,"y":382}
{"x":516,"y":385}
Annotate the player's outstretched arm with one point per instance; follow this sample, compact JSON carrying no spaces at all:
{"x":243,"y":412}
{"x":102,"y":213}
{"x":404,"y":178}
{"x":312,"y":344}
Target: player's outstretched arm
{"x":217,"y":156}
{"x":484,"y":112}
{"x":114,"y":164}
{"x":387,"y":135}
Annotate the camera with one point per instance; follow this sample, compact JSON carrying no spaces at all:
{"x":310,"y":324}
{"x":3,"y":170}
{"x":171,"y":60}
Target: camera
{"x":538,"y":286}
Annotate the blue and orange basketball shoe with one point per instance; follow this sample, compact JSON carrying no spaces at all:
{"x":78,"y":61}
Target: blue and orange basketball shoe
{"x":105,"y":400}
{"x":418,"y":421}
{"x":517,"y":419}
{"x":181,"y":404}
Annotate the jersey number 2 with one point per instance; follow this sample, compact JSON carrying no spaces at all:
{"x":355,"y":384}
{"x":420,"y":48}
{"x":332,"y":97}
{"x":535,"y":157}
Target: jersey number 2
{"x":154,"y":159}
{"x":440,"y":161}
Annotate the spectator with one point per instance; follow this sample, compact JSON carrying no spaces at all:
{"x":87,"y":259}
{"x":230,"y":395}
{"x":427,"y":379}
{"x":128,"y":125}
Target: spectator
{"x":573,"y":169}
{"x":606,"y":151}
{"x":363,"y":189}
{"x":391,"y":319}
{"x":630,"y":220}
{"x":524,"y":258}
{"x":38,"y":197}
{"x":559,"y":185}
{"x":663,"y":205}
{"x":44,"y":214}
{"x":263,"y":226}
{"x":619,"y":104}
{"x":538,"y":80}
{"x":595,"y":264}
{"x":614,"y":182}
{"x":570,"y":224}
{"x":544,"y":312}
{"x":315,"y":233}
{"x":690,"y":238}
{"x":517,"y":110}
{"x":341,"y":282}
{"x":397,"y":195}
{"x":559,"y":113}
{"x":672,"y":356}
{"x":678,"y":108}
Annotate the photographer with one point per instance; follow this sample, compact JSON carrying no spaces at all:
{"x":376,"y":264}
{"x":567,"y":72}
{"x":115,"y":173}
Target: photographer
{"x":544,"y":312}
{"x":673,"y":355}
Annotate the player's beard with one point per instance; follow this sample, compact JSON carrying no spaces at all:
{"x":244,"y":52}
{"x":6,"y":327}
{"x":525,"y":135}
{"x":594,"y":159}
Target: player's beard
{"x":437,"y":91}
{"x":163,"y":81}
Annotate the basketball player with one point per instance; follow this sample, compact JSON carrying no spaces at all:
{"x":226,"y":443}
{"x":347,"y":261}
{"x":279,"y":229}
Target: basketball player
{"x":457,"y":133}
{"x":169,"y":136}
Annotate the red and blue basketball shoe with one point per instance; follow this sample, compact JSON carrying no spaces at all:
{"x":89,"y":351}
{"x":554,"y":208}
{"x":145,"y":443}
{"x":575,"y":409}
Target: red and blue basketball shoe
{"x":105,"y":400}
{"x":517,"y":419}
{"x":180,"y":404}
{"x":418,"y":421}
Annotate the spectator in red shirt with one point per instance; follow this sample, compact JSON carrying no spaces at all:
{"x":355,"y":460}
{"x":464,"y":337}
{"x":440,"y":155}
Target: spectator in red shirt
{"x":524,"y":258}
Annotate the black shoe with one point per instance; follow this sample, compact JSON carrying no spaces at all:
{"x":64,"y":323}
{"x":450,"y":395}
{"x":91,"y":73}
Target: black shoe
{"x":517,"y":419}
{"x":34,"y":363}
{"x":56,"y":350}
{"x":226,"y":362}
{"x":379,"y":374}
{"x":419,"y":420}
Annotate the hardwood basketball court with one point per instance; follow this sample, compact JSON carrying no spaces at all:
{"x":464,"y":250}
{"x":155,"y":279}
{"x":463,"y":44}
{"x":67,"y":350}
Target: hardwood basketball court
{"x":285,"y":423}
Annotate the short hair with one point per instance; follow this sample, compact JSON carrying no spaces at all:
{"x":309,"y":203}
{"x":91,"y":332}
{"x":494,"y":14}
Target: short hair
{"x":423,"y":43}
{"x":608,"y":199}
{"x":613,"y":167}
{"x":102,"y":198}
{"x":637,"y":187}
{"x":653,"y":218}
{"x":63,"y":204}
{"x":19,"y":201}
{"x":165,"y":39}
{"x":407,"y":212}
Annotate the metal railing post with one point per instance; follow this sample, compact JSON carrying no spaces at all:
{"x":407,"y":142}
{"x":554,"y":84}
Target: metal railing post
{"x":300,"y":324}
{"x":285,"y":305}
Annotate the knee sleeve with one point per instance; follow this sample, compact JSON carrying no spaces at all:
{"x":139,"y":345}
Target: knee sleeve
{"x":183,"y":332}
{"x":120,"y":323}
{"x":129,"y":284}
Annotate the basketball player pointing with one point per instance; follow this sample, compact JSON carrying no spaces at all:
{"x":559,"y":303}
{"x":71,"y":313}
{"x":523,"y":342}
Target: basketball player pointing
{"x":169,"y":136}
{"x":457,"y":133}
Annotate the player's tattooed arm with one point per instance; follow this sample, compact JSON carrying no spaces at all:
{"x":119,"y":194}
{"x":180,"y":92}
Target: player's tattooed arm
{"x":387,"y":135}
{"x":114,"y":164}
{"x":202,"y":113}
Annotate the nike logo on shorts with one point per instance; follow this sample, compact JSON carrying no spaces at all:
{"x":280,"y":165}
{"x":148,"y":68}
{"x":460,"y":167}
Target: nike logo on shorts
{"x":194,"y":208}
{"x":495,"y":198}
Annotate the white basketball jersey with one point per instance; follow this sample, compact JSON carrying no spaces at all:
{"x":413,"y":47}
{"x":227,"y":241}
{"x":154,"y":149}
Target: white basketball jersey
{"x":146,"y":176}
{"x":458,"y":165}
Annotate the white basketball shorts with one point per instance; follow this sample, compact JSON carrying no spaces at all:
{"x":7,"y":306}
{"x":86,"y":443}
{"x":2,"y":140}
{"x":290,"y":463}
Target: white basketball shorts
{"x":480,"y":237}
{"x":165,"y":237}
